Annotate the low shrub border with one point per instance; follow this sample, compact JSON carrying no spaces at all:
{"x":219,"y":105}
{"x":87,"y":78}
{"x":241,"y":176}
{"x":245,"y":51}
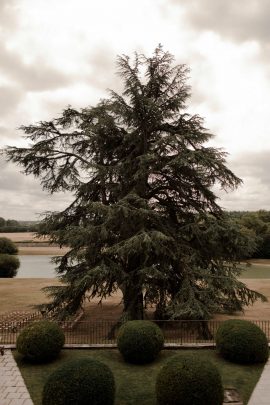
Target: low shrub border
{"x":188,"y":380}
{"x":140,"y":341}
{"x":41,"y":341}
{"x":241,"y":341}
{"x":80,"y":382}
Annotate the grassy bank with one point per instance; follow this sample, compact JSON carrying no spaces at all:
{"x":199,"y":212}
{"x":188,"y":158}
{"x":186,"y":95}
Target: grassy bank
{"x":256,"y":271}
{"x":21,"y":294}
{"x":22,"y":239}
{"x":42,"y":250}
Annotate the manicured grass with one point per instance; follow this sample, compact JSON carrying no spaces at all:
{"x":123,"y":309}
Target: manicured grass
{"x":136,"y":383}
{"x":255,"y":271}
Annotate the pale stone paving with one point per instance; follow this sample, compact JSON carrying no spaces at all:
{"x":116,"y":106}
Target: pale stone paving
{"x":12,"y":387}
{"x":261,"y":393}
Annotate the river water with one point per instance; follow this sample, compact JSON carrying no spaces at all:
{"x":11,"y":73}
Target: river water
{"x":36,"y":266}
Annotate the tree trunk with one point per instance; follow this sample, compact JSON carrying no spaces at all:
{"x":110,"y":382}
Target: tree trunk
{"x":133,"y":302}
{"x":204,"y":331}
{"x":133,"y":307}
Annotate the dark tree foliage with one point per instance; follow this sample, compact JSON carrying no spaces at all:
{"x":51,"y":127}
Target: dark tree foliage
{"x":257,"y":225}
{"x":9,"y":262}
{"x":144,"y":218}
{"x":9,"y":265}
{"x":7,"y":246}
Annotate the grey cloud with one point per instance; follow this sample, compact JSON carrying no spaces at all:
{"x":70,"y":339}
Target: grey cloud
{"x":103,"y":69}
{"x":253,"y":165}
{"x":7,"y":14}
{"x":7,"y":135}
{"x":11,"y":179}
{"x":199,"y":95}
{"x":22,"y":206}
{"x":9,"y":99}
{"x":33,"y":77}
{"x":244,"y":199}
{"x":21,"y":197}
{"x":241,"y":20}
{"x":254,"y":194}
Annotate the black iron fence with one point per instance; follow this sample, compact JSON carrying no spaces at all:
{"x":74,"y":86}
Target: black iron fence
{"x":105,"y":331}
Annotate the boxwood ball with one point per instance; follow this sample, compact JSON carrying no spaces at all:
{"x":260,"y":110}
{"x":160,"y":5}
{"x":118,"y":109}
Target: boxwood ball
{"x":139,"y":341}
{"x":41,"y":341}
{"x":241,"y":341}
{"x":188,"y":380}
{"x":80,"y":382}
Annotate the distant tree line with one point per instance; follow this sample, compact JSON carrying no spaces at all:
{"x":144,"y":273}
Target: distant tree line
{"x":12,"y":225}
{"x":255,"y":225}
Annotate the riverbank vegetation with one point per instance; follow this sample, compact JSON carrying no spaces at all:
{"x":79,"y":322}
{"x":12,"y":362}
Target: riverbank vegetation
{"x":9,"y":262}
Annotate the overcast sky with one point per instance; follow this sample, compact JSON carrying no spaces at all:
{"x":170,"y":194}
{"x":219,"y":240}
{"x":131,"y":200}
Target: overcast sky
{"x":56,"y":53}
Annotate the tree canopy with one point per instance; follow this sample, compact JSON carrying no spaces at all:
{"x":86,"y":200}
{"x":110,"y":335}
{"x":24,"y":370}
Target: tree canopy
{"x":257,"y":224}
{"x":9,"y":262}
{"x":144,"y":218}
{"x":7,"y":246}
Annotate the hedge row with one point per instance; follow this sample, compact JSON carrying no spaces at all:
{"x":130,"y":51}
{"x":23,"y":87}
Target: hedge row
{"x":184,"y":379}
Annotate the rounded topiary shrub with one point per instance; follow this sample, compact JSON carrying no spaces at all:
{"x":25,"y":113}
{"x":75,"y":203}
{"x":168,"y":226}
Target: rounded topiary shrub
{"x":139,"y":341}
{"x":242,"y":342}
{"x":9,"y":265}
{"x":8,"y":247}
{"x":188,"y":380}
{"x":80,"y":382}
{"x":41,"y":341}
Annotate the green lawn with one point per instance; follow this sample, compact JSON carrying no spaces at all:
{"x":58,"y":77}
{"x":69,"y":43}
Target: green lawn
{"x":255,"y":271}
{"x":135,"y":383}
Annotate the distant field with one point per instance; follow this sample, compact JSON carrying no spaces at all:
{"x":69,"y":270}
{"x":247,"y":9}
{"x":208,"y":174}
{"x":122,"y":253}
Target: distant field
{"x":19,"y":236}
{"x":256,"y":271}
{"x":42,"y":250}
{"x":33,"y":250}
{"x":21,"y":294}
{"x":259,"y":310}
